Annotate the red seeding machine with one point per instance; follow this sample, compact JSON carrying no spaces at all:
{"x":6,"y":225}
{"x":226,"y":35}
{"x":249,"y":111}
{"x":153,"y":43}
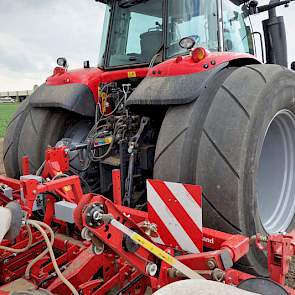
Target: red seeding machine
{"x":88,"y":244}
{"x":167,"y":169}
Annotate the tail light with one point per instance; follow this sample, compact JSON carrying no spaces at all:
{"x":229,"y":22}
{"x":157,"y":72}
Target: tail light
{"x":198,"y":54}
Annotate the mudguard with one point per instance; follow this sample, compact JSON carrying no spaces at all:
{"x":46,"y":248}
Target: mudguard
{"x":77,"y":98}
{"x":172,"y":90}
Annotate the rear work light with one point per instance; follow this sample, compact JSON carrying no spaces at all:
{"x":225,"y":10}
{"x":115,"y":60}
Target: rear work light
{"x":198,"y":54}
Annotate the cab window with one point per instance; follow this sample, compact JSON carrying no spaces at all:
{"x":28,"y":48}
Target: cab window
{"x":237,"y":36}
{"x":136,"y":33}
{"x":191,"y":18}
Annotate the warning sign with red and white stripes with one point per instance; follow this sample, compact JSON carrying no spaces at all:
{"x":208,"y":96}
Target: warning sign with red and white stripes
{"x":176,"y":209}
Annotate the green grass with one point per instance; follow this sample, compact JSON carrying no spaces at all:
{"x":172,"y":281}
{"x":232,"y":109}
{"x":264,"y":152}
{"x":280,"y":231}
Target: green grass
{"x":6,"y":111}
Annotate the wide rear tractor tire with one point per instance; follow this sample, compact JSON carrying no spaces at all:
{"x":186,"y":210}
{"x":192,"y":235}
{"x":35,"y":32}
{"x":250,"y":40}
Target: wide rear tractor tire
{"x":35,"y":130}
{"x":11,"y":140}
{"x":237,"y":140}
{"x":42,"y":128}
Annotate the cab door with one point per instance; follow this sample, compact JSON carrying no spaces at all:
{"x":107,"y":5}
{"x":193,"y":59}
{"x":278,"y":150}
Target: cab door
{"x":237,"y":35}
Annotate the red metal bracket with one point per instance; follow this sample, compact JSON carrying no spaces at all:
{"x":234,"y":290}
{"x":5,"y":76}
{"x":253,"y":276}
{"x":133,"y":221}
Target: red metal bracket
{"x":26,"y":165}
{"x":117,"y":194}
{"x":69,"y":186}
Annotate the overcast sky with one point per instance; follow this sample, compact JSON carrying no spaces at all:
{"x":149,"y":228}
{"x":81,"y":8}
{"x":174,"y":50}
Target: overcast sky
{"x":33,"y":33}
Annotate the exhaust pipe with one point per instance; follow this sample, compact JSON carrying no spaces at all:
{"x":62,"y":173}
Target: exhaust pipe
{"x":275,"y":38}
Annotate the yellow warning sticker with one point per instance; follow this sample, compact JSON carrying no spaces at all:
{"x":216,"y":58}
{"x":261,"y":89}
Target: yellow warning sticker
{"x":154,"y":249}
{"x":132,"y":75}
{"x":67,"y":188}
{"x":103,"y":96}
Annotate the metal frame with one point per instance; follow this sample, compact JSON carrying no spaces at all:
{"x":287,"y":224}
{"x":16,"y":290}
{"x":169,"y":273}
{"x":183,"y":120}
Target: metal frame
{"x":220,"y":25}
{"x":107,"y":259}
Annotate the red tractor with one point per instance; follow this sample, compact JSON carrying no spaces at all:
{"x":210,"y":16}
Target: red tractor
{"x":178,"y":95}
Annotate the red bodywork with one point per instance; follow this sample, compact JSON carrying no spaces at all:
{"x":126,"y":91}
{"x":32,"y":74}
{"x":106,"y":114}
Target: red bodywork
{"x":93,"y":77}
{"x":184,"y":65}
{"x":181,"y":65}
{"x":116,"y":267}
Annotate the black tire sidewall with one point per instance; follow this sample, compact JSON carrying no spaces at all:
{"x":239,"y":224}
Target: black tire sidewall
{"x":185,"y":168}
{"x":50,"y":125}
{"x":11,"y":139}
{"x":198,"y":118}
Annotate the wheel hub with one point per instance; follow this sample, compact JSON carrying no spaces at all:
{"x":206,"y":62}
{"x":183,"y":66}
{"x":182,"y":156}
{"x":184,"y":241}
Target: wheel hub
{"x":276,"y":177}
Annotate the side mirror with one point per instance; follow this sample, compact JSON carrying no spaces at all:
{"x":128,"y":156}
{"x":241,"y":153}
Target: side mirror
{"x":293,"y":66}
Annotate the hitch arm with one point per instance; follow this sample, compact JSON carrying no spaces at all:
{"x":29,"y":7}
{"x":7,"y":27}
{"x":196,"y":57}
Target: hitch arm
{"x":164,"y":256}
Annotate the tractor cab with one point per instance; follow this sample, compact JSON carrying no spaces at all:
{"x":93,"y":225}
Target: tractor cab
{"x":133,"y":32}
{"x":138,"y":32}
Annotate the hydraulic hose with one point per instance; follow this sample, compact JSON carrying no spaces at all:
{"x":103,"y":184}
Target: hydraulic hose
{"x":23,"y":249}
{"x":42,"y":254}
{"x":37,"y":225}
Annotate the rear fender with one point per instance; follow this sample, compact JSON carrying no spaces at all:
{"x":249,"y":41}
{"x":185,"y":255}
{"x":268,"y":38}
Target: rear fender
{"x":172,"y":90}
{"x":176,"y":83}
{"x":77,"y":98}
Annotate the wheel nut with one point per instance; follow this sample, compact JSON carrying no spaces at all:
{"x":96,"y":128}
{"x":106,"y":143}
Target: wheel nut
{"x":211,"y":264}
{"x":85,"y":234}
{"x":218,"y":275}
{"x":96,"y":215}
{"x":151,"y":269}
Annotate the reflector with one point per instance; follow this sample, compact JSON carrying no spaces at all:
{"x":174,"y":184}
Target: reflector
{"x":198,"y":54}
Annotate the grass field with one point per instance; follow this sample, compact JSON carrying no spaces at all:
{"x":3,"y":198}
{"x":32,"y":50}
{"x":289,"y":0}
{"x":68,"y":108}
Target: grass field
{"x":6,"y":111}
